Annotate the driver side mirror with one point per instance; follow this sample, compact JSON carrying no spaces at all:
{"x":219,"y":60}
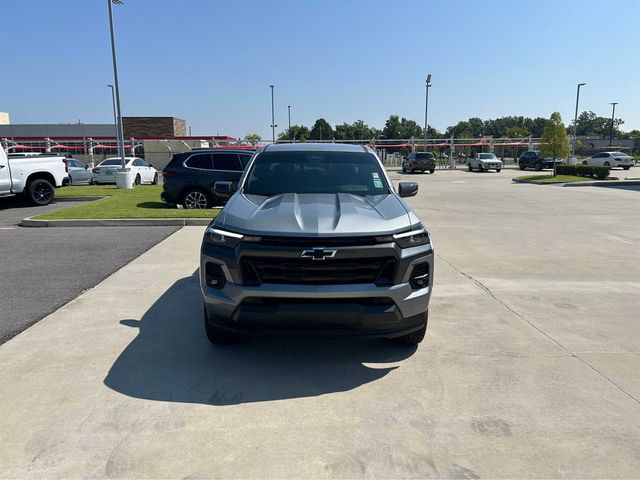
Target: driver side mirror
{"x":407,"y":189}
{"x":225,"y":189}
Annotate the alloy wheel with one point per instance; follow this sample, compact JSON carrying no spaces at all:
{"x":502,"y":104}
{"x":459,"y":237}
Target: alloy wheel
{"x":195,"y":199}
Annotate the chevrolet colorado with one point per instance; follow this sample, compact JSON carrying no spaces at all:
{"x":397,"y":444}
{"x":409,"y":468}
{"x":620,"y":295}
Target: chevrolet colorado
{"x":314,"y":240}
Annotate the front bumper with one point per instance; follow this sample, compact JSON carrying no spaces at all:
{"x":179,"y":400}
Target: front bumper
{"x":346,"y":309}
{"x":491,"y":166}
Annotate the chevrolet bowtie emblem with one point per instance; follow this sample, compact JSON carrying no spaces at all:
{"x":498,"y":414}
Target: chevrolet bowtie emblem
{"x":318,"y":254}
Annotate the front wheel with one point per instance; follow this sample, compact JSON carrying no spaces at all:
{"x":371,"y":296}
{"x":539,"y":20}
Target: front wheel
{"x":498,"y":170}
{"x":626,"y":167}
{"x":480,"y":168}
{"x":432,"y":170}
{"x":538,"y":167}
{"x":40,"y":192}
{"x":584,"y":162}
{"x":607,"y":164}
{"x":138,"y":180}
{"x":469,"y":167}
{"x":194,"y":199}
{"x":521,"y":165}
{"x":155,"y":179}
{"x":414,"y":338}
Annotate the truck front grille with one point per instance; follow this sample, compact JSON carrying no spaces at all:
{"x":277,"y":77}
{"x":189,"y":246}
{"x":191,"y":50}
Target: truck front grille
{"x":302,"y":271}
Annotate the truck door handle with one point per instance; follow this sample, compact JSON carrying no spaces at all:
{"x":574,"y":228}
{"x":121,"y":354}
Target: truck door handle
{"x":1,"y":166}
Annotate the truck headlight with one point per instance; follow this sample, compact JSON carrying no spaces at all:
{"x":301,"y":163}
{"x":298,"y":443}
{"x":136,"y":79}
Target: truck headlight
{"x":221,"y":238}
{"x":413,"y":238}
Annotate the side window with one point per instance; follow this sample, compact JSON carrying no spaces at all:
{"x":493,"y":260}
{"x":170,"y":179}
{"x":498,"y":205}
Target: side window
{"x":226,"y":161}
{"x":201,"y":161}
{"x":600,"y":155}
{"x":143,"y":163}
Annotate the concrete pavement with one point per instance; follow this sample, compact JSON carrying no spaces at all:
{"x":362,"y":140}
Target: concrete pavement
{"x":529,"y":368}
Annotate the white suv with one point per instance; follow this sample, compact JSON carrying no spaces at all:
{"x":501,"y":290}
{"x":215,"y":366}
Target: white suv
{"x":484,"y":161}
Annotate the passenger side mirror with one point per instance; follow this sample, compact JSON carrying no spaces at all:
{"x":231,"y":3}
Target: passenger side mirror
{"x":225,"y":189}
{"x":407,"y":189}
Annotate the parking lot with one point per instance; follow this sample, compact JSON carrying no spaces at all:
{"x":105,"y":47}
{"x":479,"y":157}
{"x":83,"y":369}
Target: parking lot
{"x":529,"y":368}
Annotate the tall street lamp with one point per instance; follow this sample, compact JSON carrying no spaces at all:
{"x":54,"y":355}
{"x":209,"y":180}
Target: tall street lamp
{"x":273,"y":117}
{"x":575,"y":122}
{"x":120,"y":132}
{"x":289,"y":109}
{"x":115,"y":114}
{"x":426,"y":111}
{"x":613,"y":112}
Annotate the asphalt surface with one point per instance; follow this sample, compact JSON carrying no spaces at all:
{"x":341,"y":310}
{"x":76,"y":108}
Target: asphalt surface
{"x":44,"y":268}
{"x":529,"y":368}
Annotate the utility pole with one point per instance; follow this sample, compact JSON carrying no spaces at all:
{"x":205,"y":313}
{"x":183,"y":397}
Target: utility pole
{"x":273,"y":117}
{"x":289,"y":109}
{"x":575,"y":122}
{"x":120,"y":132}
{"x":613,"y":112}
{"x":426,"y":111}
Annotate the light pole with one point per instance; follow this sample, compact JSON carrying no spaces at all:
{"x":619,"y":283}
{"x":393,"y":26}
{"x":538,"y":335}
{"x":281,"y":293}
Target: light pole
{"x":289,"y":109}
{"x":273,"y":117}
{"x":115,"y":114}
{"x":613,"y":112}
{"x":426,"y":111}
{"x":116,"y":83}
{"x":575,"y":123}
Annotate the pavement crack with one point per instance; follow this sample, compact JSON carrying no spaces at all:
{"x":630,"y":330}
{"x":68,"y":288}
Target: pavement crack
{"x":488,"y":291}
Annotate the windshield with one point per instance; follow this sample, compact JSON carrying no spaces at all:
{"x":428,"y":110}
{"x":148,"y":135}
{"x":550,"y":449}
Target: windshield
{"x":111,"y":161}
{"x":486,"y":156}
{"x":316,"y":172}
{"x":425,"y":156}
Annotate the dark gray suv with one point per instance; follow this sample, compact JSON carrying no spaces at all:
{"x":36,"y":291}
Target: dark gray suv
{"x":189,"y":177}
{"x":314,"y":240}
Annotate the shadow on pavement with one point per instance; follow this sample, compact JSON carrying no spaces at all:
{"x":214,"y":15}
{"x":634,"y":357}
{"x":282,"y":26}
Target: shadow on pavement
{"x":171,"y":359}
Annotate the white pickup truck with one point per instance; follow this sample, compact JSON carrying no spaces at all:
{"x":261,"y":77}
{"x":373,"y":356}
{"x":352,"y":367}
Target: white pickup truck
{"x":35,"y":177}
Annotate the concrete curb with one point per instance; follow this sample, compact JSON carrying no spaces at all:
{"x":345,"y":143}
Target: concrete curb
{"x":129,"y":222}
{"x":77,"y":199}
{"x":603,"y":183}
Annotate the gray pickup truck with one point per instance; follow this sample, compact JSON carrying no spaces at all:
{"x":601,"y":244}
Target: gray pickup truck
{"x":315,"y":241}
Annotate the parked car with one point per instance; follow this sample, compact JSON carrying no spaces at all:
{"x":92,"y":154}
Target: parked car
{"x":189,"y":178}
{"x":35,"y":177}
{"x":105,"y":171}
{"x":610,"y":159}
{"x":79,"y":173}
{"x":316,"y":241}
{"x":419,"y":162}
{"x":532,"y":159}
{"x":484,"y":161}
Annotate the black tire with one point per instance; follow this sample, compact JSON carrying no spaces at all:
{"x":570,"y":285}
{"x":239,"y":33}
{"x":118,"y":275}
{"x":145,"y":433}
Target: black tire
{"x":538,"y":166}
{"x":521,"y":165}
{"x":196,"y":198}
{"x":584,"y":162}
{"x":607,"y":164}
{"x":498,"y":170}
{"x":626,"y":167}
{"x":432,"y":170}
{"x":155,"y":179}
{"x":480,"y":168}
{"x":137,"y":180}
{"x":414,"y":338}
{"x":469,"y":167}
{"x":40,"y":192}
{"x":215,"y":335}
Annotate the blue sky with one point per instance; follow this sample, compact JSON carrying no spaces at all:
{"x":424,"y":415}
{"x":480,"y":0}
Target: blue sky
{"x":210,"y":62}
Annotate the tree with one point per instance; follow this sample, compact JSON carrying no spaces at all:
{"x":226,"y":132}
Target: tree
{"x":555,"y":141}
{"x":321,"y":130}
{"x":299,"y":133}
{"x":516,"y":132}
{"x":252,"y":138}
{"x":591,"y":124}
{"x":392,"y":128}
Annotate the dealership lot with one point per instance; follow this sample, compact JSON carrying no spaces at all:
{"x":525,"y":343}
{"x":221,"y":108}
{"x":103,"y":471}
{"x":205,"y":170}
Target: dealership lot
{"x":529,"y":368}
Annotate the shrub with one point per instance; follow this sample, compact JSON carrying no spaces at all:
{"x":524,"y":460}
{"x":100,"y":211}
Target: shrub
{"x":587,"y":171}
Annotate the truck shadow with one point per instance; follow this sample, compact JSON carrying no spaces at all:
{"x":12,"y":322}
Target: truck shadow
{"x":171,"y":359}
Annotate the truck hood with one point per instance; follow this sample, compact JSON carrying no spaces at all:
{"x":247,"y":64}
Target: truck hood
{"x":315,"y":214}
